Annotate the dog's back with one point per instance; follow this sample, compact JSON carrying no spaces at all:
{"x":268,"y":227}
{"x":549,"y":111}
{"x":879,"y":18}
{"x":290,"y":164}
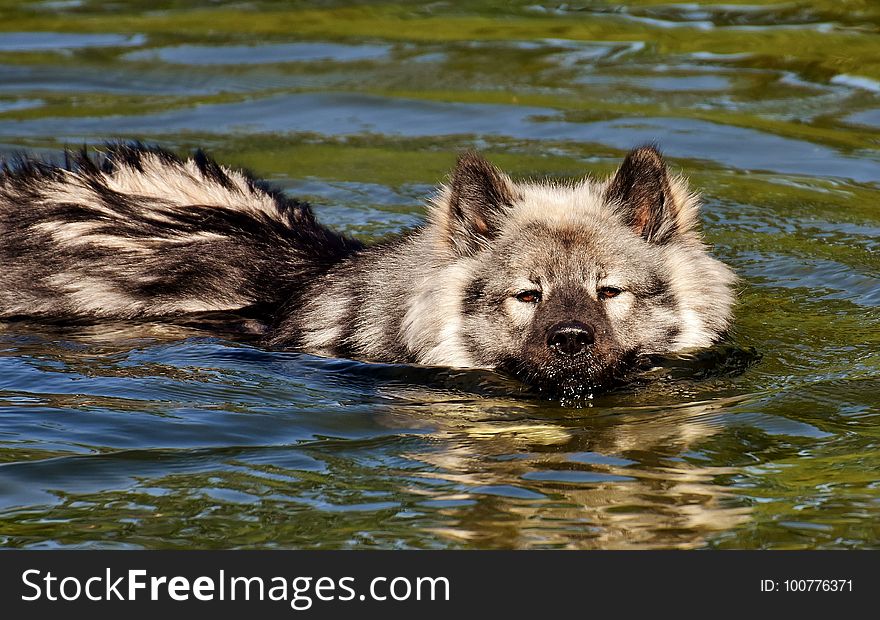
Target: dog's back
{"x":138,"y":232}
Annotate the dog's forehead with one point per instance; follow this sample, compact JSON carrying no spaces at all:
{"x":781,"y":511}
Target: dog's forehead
{"x":562,"y":220}
{"x":552,"y":250}
{"x":586,"y":250}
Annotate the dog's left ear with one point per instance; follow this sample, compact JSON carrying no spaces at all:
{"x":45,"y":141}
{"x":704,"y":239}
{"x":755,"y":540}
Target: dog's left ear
{"x":645,"y":200}
{"x":479,"y":195}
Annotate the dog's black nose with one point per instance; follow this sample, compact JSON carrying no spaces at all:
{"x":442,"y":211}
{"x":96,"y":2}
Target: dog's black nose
{"x":570,"y":338}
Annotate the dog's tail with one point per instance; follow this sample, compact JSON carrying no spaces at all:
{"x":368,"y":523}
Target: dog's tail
{"x":137,"y":232}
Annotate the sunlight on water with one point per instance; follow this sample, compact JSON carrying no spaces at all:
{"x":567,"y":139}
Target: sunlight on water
{"x":167,"y":436}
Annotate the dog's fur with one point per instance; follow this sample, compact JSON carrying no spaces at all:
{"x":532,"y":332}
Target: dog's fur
{"x":565,"y":286}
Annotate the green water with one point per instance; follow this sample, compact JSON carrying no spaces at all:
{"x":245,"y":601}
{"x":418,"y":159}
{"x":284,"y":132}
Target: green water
{"x":161,"y":436}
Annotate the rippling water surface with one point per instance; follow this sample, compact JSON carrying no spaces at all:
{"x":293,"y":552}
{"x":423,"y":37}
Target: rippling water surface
{"x":156,"y":436}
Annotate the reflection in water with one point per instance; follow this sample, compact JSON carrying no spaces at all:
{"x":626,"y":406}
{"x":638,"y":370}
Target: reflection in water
{"x":607,"y":481}
{"x":54,"y":41}
{"x":262,"y":54}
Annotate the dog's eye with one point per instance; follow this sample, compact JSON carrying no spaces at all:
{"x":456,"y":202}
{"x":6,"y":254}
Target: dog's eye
{"x":607,"y":292}
{"x":529,"y":297}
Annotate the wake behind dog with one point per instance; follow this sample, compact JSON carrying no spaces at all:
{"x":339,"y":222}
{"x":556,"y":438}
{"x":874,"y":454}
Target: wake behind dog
{"x":567,"y":287}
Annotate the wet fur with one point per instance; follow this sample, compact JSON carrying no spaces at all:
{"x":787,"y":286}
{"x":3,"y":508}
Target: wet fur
{"x":137,"y":232}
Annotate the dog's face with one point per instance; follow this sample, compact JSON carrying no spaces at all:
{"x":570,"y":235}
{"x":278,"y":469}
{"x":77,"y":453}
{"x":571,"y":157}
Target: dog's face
{"x":567,"y":286}
{"x":568,"y":308}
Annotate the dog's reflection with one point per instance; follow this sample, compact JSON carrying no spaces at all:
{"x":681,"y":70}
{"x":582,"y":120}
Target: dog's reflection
{"x":613,"y":481}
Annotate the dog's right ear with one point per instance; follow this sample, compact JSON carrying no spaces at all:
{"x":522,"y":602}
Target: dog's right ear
{"x":479,"y":195}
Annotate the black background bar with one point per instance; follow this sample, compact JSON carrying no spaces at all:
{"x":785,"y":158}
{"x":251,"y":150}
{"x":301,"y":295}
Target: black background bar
{"x":502,"y":584}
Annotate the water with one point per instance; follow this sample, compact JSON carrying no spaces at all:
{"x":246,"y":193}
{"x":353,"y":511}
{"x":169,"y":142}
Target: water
{"x":155,"y":435}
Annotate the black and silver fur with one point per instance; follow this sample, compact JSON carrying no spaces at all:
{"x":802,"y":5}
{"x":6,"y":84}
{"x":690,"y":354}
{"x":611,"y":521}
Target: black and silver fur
{"x":565,"y":286}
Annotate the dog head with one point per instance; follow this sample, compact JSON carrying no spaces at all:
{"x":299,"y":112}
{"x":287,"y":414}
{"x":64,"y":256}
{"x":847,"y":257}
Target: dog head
{"x":567,"y":285}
